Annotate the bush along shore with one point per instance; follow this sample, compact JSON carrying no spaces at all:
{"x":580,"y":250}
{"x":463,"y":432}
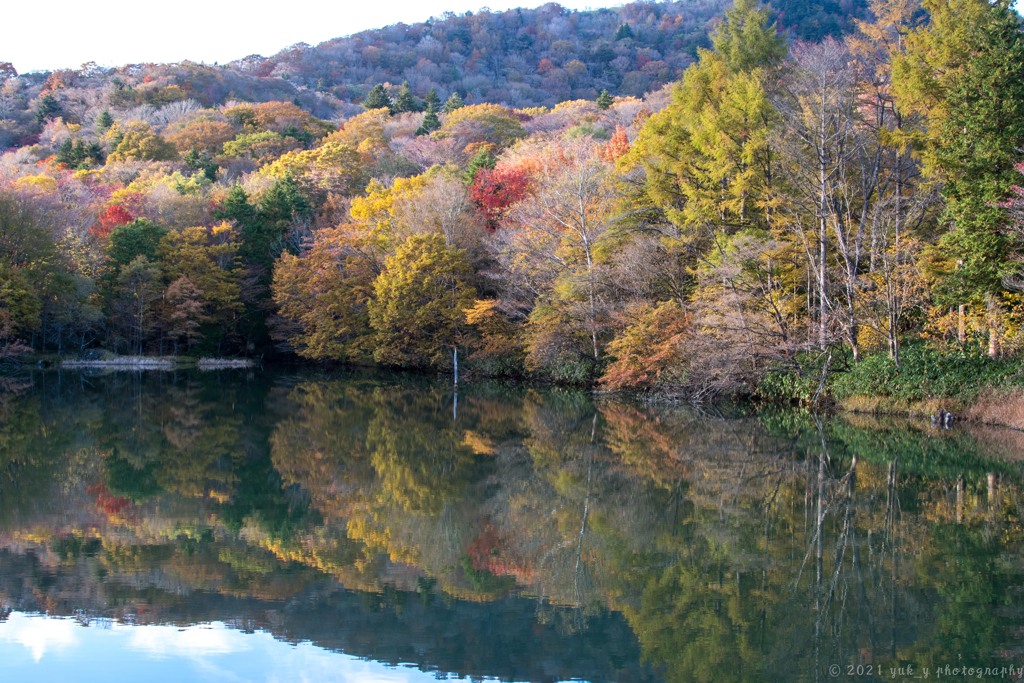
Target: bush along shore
{"x":927,"y":382}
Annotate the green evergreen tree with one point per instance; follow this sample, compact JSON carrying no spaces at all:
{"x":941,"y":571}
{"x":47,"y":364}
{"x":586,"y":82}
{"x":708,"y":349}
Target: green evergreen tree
{"x":237,"y":208}
{"x":405,"y":101}
{"x":66,"y":154}
{"x":430,"y":123}
{"x":964,"y":73}
{"x":481,"y":160}
{"x":454,"y":102}
{"x":263,"y":228}
{"x":303,"y":136}
{"x":746,"y":40}
{"x":605,"y":100}
{"x":94,"y":151}
{"x":378,"y":98}
{"x":79,"y":154}
{"x":432,"y":101}
{"x":48,"y":108}
{"x":104,"y":121}
{"x":201,"y":162}
{"x":625,"y":31}
{"x":128,"y":242}
{"x":251,"y":226}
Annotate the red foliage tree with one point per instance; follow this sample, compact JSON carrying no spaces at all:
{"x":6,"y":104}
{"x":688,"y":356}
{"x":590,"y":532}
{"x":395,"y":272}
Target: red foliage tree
{"x":493,"y":191}
{"x":112,"y":216}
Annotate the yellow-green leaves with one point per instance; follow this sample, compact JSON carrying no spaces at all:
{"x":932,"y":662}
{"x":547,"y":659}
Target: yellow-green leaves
{"x":420,"y":299}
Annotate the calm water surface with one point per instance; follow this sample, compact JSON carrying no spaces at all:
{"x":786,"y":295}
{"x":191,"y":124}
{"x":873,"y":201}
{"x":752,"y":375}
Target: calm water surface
{"x":256,"y":526}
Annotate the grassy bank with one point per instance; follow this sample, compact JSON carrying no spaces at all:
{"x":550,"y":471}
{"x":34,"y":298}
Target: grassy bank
{"x":927,"y":381}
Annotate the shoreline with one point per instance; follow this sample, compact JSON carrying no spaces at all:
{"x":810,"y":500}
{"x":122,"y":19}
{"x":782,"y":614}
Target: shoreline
{"x":997,"y":407}
{"x":154,"y":363}
{"x":994,"y":406}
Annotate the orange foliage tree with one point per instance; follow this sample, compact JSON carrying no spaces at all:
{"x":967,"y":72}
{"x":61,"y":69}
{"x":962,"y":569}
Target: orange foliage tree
{"x":111,"y":217}
{"x":648,"y":352}
{"x":324,"y":295}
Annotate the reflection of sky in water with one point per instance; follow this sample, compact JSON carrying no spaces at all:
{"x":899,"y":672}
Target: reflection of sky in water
{"x":38,"y":648}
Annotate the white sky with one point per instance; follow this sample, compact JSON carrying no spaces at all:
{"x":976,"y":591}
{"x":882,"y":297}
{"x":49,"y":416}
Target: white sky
{"x":58,"y":34}
{"x":38,"y":648}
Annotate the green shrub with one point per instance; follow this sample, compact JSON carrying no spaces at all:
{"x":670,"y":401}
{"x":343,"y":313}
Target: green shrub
{"x":796,"y":382}
{"x":925,"y":372}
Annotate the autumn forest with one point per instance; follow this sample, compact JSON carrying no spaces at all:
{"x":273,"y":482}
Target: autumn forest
{"x":705,"y":201}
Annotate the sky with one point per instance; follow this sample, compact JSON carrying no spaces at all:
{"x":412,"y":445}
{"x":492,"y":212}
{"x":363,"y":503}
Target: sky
{"x":38,"y":648}
{"x":62,"y":34}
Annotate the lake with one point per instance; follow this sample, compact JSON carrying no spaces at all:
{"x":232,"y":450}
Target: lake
{"x":302,"y":526}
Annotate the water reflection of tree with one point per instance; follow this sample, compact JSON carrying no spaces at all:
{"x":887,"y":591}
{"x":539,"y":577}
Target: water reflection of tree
{"x":882,"y":582}
{"x":172,"y":439}
{"x":697,"y":535}
{"x":31,"y":450}
{"x":746,"y":548}
{"x":417,"y":451}
{"x":389,"y":467}
{"x":699,"y":597}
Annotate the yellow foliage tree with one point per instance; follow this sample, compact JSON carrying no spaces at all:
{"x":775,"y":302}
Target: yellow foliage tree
{"x":200,"y":265}
{"x":420,"y":299}
{"x":332,"y":168}
{"x":138,"y":142}
{"x":325,"y":294}
{"x":379,"y":210}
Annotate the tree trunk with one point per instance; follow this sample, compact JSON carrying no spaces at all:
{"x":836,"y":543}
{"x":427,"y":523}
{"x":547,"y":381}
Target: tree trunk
{"x":994,"y":345}
{"x":961,"y":325}
{"x":822,"y":256}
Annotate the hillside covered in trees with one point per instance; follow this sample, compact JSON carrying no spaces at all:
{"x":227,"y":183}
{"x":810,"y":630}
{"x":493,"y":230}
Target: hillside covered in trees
{"x":519,"y":58}
{"x":785,"y":205}
{"x":531,"y":57}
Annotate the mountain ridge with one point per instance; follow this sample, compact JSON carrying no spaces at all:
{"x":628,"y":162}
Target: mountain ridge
{"x":520,"y":57}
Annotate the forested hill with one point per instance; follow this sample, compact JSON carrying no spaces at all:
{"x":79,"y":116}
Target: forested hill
{"x":521,"y":58}
{"x":528,"y":57}
{"x":531,"y":57}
